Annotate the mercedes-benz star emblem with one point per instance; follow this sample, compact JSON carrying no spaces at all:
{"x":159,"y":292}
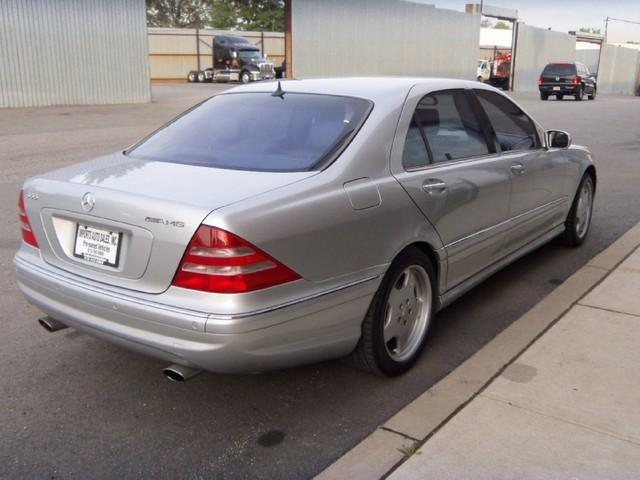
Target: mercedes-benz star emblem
{"x":88,"y":201}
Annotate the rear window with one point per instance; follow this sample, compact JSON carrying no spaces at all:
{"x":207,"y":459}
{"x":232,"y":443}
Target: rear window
{"x":560,"y":69}
{"x":256,"y":131}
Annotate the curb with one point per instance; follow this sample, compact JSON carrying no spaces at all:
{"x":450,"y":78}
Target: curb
{"x":379,"y":454}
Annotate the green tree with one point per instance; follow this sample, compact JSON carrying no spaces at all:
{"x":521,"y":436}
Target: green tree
{"x":248,"y":15}
{"x":595,"y":31}
{"x":178,"y":13}
{"x":502,"y":26}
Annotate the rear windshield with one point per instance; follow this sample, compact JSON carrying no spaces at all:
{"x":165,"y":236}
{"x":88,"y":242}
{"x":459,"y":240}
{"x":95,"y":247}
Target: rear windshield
{"x":560,"y":69}
{"x":256,"y":131}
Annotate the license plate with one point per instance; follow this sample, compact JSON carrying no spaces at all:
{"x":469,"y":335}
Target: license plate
{"x":97,"y":245}
{"x":556,"y":88}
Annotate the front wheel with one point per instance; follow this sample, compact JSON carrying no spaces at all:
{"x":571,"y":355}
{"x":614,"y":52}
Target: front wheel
{"x":245,"y":77}
{"x":396,"y":325}
{"x":592,"y":96}
{"x":579,"y":219}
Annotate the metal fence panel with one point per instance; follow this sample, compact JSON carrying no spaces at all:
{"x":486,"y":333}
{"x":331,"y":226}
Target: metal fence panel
{"x":382,"y":37}
{"x":72,"y":52}
{"x":537,"y":47}
{"x":619,"y":70}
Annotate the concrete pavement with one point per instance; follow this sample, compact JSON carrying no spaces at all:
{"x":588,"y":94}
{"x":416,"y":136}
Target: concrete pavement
{"x":566,"y":406}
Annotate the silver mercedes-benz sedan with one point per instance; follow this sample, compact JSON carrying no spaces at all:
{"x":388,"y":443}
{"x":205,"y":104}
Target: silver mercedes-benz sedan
{"x":280,"y":224}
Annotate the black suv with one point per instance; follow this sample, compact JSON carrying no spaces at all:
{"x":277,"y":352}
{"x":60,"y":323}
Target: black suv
{"x":567,"y":78}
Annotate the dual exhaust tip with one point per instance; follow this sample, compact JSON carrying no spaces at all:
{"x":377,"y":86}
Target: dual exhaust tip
{"x":175,"y":373}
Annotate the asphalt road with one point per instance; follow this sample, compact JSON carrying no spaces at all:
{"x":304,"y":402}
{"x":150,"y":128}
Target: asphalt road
{"x":73,"y":407}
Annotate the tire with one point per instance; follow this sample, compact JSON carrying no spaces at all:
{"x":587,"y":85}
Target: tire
{"x":559,"y":97}
{"x":201,"y":77}
{"x":395,"y":312}
{"x":544,"y":96}
{"x":480,"y":79}
{"x":245,"y":77}
{"x":592,"y":96}
{"x":580,"y":94}
{"x":576,"y":230}
{"x":191,"y":77}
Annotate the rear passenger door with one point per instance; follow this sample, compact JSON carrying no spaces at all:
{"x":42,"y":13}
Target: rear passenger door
{"x":455,"y":177}
{"x":538,"y":202}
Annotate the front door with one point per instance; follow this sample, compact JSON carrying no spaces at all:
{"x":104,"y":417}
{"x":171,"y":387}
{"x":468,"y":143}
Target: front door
{"x":538,"y":202}
{"x":455,"y":177}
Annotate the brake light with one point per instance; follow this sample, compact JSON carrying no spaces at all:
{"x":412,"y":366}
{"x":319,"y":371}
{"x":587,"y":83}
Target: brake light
{"x":219,"y":261}
{"x":541,"y":80}
{"x":577,"y":80}
{"x":25,"y":225}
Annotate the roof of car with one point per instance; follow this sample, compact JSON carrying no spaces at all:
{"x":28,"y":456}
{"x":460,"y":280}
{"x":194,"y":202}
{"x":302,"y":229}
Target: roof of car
{"x":372,"y":88}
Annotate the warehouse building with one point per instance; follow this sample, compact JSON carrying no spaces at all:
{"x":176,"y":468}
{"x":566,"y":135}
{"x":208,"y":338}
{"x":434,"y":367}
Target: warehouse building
{"x":73,"y":52}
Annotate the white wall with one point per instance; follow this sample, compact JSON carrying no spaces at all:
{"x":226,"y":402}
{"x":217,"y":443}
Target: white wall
{"x":73,"y":52}
{"x":619,"y":70}
{"x":536,"y":48}
{"x":589,"y":57}
{"x":382,"y":37}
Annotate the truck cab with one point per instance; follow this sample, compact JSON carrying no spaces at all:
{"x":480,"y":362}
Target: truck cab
{"x":235,"y":59}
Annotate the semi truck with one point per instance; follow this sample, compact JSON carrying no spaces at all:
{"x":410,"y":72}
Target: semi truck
{"x":235,"y":59}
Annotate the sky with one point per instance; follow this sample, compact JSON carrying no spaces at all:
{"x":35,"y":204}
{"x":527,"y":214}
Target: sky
{"x":565,"y":15}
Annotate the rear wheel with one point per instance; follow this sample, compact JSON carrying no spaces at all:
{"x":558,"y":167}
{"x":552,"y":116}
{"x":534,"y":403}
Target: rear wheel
{"x":579,"y":219}
{"x":579,"y":94}
{"x":544,"y":96}
{"x":201,"y":77}
{"x":191,"y":78}
{"x":559,"y":97}
{"x":396,"y":325}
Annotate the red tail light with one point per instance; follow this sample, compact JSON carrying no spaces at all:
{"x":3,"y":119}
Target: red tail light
{"x":25,"y":225}
{"x":221,"y":262}
{"x":577,"y":80}
{"x":541,"y":80}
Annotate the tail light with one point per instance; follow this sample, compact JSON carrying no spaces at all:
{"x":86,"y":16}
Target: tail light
{"x":221,"y":262}
{"x":577,"y":80}
{"x":25,"y":225}
{"x":541,"y":80}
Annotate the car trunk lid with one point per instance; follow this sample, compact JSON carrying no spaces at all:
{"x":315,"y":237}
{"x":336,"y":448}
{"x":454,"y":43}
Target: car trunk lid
{"x":126,"y":222}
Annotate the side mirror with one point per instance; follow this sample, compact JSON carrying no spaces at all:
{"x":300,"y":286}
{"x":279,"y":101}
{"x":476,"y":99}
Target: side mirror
{"x":558,"y":139}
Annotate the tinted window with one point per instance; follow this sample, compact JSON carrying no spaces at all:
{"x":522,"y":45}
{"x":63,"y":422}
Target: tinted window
{"x":451,"y":128}
{"x":559,"y":69}
{"x":514,"y":129}
{"x":255,"y":131}
{"x":415,"y":152}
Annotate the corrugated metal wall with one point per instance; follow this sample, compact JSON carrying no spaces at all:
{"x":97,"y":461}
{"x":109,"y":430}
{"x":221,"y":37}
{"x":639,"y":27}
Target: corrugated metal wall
{"x":382,"y":37}
{"x":535,"y":48}
{"x":589,"y":57}
{"x":173,"y":52}
{"x":73,"y":52}
{"x":619,"y":70}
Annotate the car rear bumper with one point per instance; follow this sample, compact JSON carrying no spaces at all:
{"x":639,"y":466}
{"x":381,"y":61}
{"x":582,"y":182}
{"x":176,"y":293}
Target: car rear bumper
{"x":562,"y":89}
{"x":319,"y":328}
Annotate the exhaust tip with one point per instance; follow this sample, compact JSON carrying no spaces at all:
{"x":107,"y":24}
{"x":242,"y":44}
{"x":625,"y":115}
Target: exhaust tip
{"x":51,"y":324}
{"x":179,"y":373}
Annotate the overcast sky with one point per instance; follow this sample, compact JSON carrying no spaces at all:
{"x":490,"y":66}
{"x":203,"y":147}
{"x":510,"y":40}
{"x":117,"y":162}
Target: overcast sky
{"x":565,"y":15}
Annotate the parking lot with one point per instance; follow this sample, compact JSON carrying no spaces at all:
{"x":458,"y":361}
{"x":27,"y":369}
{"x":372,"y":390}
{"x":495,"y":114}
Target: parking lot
{"x":73,"y":407}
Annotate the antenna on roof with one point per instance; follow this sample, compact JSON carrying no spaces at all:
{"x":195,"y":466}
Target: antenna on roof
{"x":279,"y":92}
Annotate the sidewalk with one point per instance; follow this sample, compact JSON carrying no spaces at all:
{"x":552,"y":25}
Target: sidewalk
{"x":566,"y":406}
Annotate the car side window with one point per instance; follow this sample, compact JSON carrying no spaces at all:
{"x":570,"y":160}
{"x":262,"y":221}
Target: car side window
{"x":415,"y":153}
{"x":451,"y":128}
{"x":513,"y":128}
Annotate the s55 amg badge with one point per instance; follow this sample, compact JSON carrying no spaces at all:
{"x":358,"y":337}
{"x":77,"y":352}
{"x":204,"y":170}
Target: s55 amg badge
{"x":164,"y":221}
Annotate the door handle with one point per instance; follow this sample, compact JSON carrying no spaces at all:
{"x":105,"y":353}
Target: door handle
{"x":517,"y":168}
{"x":433,"y":186}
